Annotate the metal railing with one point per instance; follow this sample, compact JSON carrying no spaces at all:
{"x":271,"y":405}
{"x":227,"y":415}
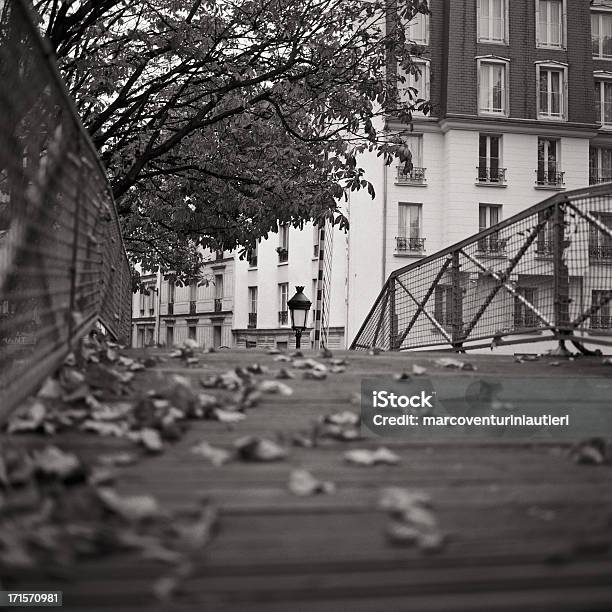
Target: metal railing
{"x":490,"y":175}
{"x":218,"y":304}
{"x":460,"y":300}
{"x":283,"y":317}
{"x":252,"y":324}
{"x":405,"y":244}
{"x":549,"y":177}
{"x":416,"y":176}
{"x":63,"y":267}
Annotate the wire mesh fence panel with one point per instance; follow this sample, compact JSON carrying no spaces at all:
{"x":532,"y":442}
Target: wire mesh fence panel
{"x":543,"y":274}
{"x":62,"y":262}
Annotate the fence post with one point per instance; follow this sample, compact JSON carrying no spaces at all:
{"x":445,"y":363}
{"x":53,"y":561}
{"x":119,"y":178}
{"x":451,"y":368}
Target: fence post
{"x":560,"y":277}
{"x":457,"y":301}
{"x":392,"y":316}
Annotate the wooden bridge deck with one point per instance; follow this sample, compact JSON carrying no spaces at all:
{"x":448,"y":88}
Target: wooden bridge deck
{"x":527,"y":528}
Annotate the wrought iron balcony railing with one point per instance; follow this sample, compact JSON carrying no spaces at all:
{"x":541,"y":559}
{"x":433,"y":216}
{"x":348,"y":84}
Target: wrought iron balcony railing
{"x":415,"y":177}
{"x":599,"y":321}
{"x":283,"y":254}
{"x":492,"y":245}
{"x":409,"y":245}
{"x":283,"y":317}
{"x":595,"y":178}
{"x":218,"y":304}
{"x":192,"y":307}
{"x":600,"y":251}
{"x":252,"y":324}
{"x":549,"y":177}
{"x":491,"y":176}
{"x":544,"y":248}
{"x":218,"y":255}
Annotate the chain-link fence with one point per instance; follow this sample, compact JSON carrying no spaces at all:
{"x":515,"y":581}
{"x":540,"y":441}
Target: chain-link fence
{"x":62,"y":262}
{"x":543,"y":274}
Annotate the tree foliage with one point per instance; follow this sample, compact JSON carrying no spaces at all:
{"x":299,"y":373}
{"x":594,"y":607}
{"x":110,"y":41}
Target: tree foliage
{"x":218,"y":119}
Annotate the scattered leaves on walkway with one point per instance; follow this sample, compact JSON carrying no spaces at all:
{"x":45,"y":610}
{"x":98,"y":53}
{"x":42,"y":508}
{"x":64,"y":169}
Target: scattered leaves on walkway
{"x":304,"y":484}
{"x":418,"y":370}
{"x":366,"y":457}
{"x":314,"y":375}
{"x":273,"y":386}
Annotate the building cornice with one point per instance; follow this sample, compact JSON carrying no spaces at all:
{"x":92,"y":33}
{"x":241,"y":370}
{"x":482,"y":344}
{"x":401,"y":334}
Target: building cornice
{"x":507,"y":125}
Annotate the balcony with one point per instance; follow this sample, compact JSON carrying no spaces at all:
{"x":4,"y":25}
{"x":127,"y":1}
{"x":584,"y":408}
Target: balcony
{"x":283,"y":254}
{"x":600,"y":252}
{"x":549,"y":177}
{"x":218,"y":304}
{"x":490,"y":176}
{"x":170,"y":308}
{"x":192,"y":307}
{"x":283,"y":317}
{"x":595,"y":178}
{"x":601,"y":321}
{"x":544,"y":248}
{"x":252,"y":320}
{"x":415,"y":177}
{"x":492,"y":245}
{"x":409,"y":245}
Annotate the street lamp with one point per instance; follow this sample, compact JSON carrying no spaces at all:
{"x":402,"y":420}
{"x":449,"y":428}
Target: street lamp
{"x":299,"y":305}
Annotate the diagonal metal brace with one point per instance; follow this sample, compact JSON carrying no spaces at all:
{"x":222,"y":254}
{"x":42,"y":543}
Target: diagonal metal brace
{"x":426,"y":313}
{"x":508,"y":288}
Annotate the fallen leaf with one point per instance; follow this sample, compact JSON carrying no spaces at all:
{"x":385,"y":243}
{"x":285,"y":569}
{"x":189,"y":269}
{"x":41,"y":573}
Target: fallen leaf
{"x":367,"y":457}
{"x":217,"y":456}
{"x":135,"y":508}
{"x":590,"y":452}
{"x":251,"y":448}
{"x":314,"y":375}
{"x":228,"y":416}
{"x":273,"y":386}
{"x":52,"y":461}
{"x":151,"y":440}
{"x":303,"y":484}
{"x":418,"y":370}
{"x":284,"y":374}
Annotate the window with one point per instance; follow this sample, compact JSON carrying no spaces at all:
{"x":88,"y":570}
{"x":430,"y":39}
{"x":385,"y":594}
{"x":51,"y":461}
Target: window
{"x":415,"y":84}
{"x":191,"y":332}
{"x":600,"y":301}
{"x":492,"y":21}
{"x":169,"y":336}
{"x":315,"y":241}
{"x":409,"y":228}
{"x":601,"y":32}
{"x":283,"y":243}
{"x":315,"y":284}
{"x":443,"y":304}
{"x":283,"y":292}
{"x":218,"y":286}
{"x":600,"y":244}
{"x":600,"y":165}
{"x":524,"y":316}
{"x":417,"y":29}
{"x":550,"y":23}
{"x":548,"y":172}
{"x":252,"y":297}
{"x":193,"y":296}
{"x":489,"y":159}
{"x":545,"y":241}
{"x":171,"y":288}
{"x":488,"y":216}
{"x":603,"y":102}
{"x":551,"y":92}
{"x":143,"y":301}
{"x":252,"y":256}
{"x":415,"y":175}
{"x":492,"y":91}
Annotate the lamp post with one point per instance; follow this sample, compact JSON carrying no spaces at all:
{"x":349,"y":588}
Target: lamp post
{"x":299,"y":305}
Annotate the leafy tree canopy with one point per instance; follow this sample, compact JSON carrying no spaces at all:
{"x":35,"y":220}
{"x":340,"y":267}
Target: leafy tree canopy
{"x":216,"y":119}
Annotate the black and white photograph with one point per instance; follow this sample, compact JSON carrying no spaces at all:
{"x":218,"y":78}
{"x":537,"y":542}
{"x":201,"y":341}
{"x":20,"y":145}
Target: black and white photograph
{"x":306,"y":305}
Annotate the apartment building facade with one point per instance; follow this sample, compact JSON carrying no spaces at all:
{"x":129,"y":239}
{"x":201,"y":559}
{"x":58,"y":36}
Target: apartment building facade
{"x":167,"y":313}
{"x":522,"y":108}
{"x":268,"y":277}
